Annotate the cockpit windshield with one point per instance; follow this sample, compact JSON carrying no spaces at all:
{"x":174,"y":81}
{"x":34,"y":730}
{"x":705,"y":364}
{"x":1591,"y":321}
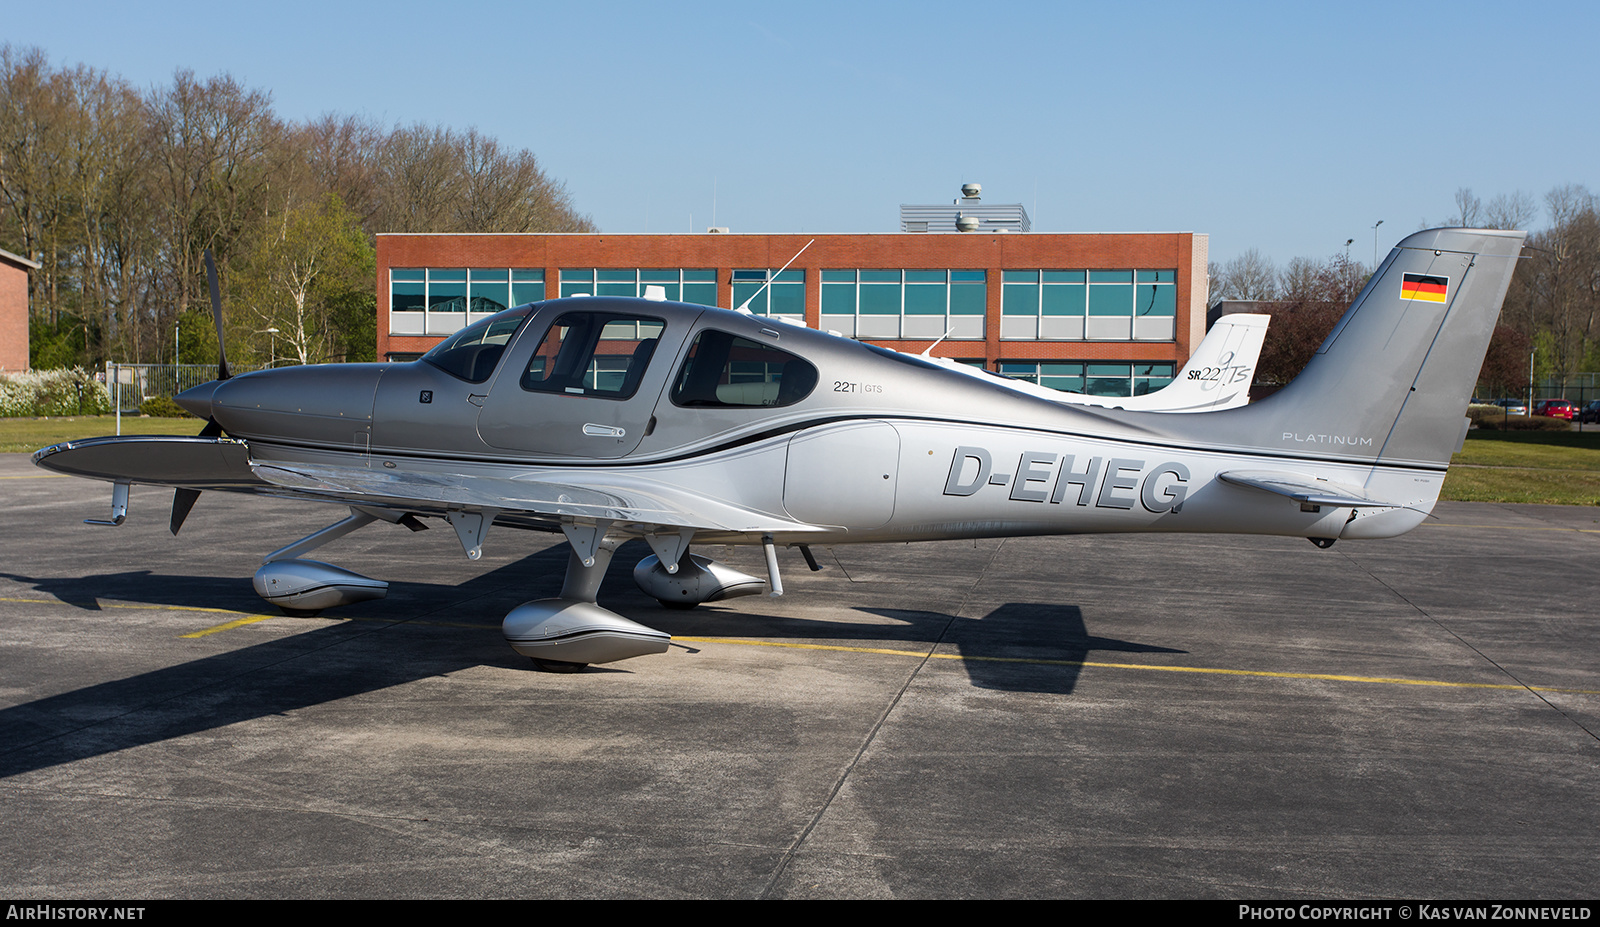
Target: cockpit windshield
{"x":473,"y":352}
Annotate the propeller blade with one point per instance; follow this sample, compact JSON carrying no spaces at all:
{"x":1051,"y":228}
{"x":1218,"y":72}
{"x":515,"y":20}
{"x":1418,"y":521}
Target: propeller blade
{"x":216,"y":313}
{"x":182,"y":501}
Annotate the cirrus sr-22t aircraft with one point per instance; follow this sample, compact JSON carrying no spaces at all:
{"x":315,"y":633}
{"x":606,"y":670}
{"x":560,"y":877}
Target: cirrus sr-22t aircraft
{"x":611,"y":419}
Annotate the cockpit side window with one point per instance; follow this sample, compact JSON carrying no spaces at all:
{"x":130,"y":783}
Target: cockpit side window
{"x":600,"y":354}
{"x":729,"y":371}
{"x":474,"y":352}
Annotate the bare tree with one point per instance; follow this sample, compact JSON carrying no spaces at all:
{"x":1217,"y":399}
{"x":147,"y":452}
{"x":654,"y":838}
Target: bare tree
{"x":118,"y":193}
{"x":1299,"y":280}
{"x":1302,"y":321}
{"x":209,"y":144}
{"x":419,"y":175}
{"x":1469,"y":210}
{"x":1248,"y":276}
{"x":1555,"y":294}
{"x":1513,"y":211}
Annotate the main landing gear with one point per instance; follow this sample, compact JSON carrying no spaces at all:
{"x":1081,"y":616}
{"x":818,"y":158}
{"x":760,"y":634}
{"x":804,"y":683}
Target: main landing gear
{"x":563,"y":634}
{"x":570,"y":631}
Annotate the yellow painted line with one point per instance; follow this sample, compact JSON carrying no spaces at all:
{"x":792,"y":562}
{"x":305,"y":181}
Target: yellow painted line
{"x":229,"y":625}
{"x":247,"y":617}
{"x":1330,"y":677}
{"x":1446,"y":524}
{"x":165,"y":608}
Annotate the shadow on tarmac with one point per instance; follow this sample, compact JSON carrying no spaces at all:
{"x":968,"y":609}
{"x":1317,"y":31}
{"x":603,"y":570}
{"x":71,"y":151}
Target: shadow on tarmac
{"x":1034,"y":647}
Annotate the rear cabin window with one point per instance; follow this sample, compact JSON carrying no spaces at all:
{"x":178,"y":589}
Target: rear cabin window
{"x":594,"y":354}
{"x":474,"y":352}
{"x":728,"y":371}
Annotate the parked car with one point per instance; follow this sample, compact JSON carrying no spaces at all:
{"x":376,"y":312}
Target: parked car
{"x":1555,"y":408}
{"x":1511,"y":406}
{"x":1591,"y":412}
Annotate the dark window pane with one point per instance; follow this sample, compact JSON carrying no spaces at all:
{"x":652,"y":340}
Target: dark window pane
{"x":724,"y":370}
{"x":1019,"y":299}
{"x":925,"y":299}
{"x":405,"y":297}
{"x":1064,"y":300}
{"x":839,"y":298}
{"x":968,"y":298}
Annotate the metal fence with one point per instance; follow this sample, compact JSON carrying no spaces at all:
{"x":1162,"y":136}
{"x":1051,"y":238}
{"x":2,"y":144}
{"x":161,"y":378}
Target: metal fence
{"x":1581,"y":388}
{"x":132,"y":384}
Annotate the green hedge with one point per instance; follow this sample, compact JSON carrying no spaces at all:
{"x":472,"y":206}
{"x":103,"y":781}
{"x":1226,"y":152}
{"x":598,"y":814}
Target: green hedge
{"x":52,"y":392}
{"x":1494,"y":417}
{"x":163,"y":407}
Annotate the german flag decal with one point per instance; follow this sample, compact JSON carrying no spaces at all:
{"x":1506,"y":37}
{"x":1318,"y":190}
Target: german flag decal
{"x":1427,"y":288}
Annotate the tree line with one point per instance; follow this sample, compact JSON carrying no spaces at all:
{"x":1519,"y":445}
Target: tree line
{"x":1551,"y":310}
{"x":118,"y":192}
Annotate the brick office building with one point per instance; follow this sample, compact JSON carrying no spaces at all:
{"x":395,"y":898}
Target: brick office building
{"x":14,"y":270}
{"x":1111,"y":314}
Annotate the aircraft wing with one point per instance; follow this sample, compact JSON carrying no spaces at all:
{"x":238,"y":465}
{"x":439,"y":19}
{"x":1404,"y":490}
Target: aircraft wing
{"x":186,"y":461}
{"x":1305,"y":489}
{"x":612,"y":496}
{"x":208,"y":463}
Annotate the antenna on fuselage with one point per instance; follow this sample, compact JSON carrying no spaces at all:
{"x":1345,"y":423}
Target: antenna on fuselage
{"x":928,"y":351}
{"x":744,"y":307}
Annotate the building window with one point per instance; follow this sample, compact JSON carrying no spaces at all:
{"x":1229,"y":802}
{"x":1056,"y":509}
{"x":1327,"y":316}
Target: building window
{"x":1092,"y":377}
{"x":786,"y":296}
{"x":904,"y":303}
{"x":688,"y":286}
{"x":444,"y":300}
{"x":1089,"y":305}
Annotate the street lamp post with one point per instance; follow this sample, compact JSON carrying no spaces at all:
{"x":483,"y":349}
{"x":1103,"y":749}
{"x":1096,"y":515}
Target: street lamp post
{"x":274,"y":333}
{"x":1375,"y":245}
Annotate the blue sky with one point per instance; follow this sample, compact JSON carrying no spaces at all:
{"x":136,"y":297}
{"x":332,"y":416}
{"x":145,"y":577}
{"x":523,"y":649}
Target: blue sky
{"x":1284,"y":127}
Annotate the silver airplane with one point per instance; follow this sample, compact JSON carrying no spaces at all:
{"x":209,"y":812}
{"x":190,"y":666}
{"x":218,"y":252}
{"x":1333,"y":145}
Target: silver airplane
{"x":611,"y":419}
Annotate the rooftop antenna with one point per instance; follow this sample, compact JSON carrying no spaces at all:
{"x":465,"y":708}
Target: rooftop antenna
{"x":744,"y":307}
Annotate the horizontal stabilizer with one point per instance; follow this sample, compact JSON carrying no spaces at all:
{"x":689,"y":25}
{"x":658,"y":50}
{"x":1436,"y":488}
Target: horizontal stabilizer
{"x":1304,"y":489}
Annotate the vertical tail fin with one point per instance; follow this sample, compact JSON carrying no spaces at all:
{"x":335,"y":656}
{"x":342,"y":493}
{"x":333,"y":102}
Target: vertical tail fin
{"x":1392,"y":380}
{"x":1217,"y":375}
